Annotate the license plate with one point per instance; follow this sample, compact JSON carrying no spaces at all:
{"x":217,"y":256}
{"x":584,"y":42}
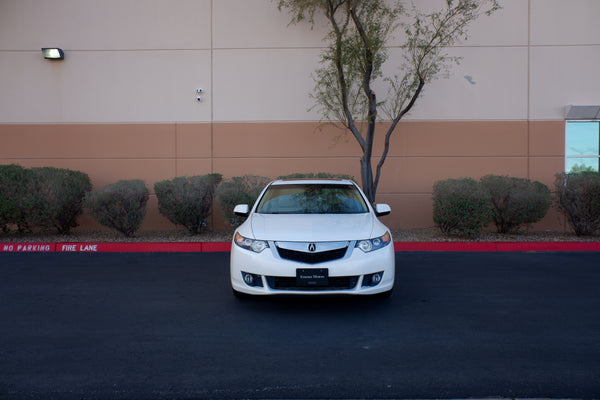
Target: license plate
{"x":312,"y":277}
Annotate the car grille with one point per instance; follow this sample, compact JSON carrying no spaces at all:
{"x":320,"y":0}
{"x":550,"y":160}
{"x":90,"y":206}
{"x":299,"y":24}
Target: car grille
{"x":312,"y":258}
{"x":289,"y":283}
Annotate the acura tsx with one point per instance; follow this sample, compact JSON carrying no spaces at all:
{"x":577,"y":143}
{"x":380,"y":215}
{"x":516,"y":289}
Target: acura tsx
{"x":312,"y":237}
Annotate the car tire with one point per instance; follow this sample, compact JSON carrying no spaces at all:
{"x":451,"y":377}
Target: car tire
{"x":385,"y":295}
{"x":240,"y":295}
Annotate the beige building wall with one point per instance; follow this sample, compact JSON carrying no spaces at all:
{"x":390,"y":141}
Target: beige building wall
{"x":123,"y":102}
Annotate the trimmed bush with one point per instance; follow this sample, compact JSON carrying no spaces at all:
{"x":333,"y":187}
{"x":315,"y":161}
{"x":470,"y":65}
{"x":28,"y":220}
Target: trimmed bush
{"x":578,"y":197}
{"x":317,"y":175}
{"x":461,"y":207}
{"x":57,"y":196}
{"x":239,"y":190}
{"x":14,"y":183}
{"x":516,"y":202}
{"x":187,"y":201}
{"x":120,"y":206}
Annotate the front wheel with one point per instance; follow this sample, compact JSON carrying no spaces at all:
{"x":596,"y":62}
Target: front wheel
{"x":240,"y":295}
{"x":384,"y":295}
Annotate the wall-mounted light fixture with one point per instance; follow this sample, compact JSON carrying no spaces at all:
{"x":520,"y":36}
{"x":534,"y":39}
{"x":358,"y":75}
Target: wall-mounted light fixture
{"x":53,"y":53}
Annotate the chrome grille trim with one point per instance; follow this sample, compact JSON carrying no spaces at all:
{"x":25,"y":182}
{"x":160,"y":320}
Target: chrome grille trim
{"x":319,"y":246}
{"x":301,"y":251}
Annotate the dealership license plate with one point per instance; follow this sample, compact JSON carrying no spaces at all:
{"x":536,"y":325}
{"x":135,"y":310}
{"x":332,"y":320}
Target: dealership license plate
{"x":312,"y":277}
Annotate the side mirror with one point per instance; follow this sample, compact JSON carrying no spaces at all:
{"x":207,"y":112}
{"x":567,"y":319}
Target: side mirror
{"x":242,"y":210}
{"x":382,"y":209}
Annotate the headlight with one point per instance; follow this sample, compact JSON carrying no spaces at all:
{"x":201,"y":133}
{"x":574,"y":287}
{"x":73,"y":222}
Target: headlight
{"x":250,"y":244}
{"x":375,"y":243}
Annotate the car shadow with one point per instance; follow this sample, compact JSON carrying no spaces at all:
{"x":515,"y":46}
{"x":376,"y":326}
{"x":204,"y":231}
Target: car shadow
{"x":327,"y":304}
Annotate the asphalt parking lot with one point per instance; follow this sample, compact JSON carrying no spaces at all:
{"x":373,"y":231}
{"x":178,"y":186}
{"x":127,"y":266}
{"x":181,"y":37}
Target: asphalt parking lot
{"x":166,"y":326}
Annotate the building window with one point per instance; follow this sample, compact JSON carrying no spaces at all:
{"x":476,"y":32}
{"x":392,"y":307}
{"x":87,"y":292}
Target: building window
{"x":582,"y":146}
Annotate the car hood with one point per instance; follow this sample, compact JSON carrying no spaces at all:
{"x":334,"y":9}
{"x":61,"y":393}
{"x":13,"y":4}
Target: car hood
{"x":312,"y":227}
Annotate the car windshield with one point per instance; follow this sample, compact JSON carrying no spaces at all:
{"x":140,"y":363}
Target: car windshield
{"x":312,"y":199}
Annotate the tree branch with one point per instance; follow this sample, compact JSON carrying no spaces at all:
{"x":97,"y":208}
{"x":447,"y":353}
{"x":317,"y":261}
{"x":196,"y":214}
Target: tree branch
{"x":351,"y":125}
{"x":388,"y":134}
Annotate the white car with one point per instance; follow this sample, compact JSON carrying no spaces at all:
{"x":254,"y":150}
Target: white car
{"x":312,"y":237}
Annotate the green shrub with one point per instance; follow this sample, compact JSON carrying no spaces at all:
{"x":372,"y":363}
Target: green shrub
{"x":461,"y":207}
{"x":239,"y":190}
{"x":516,"y":201}
{"x":578,"y":197}
{"x":317,"y":175}
{"x":14,"y":182}
{"x":187,"y":201}
{"x":57,"y":196}
{"x":120,"y":206}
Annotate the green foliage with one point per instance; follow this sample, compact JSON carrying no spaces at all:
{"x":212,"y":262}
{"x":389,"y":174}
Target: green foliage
{"x":317,"y":175}
{"x":352,"y":65}
{"x":14,"y":183}
{"x":516,"y":202}
{"x":187,"y":201}
{"x":120,"y":206}
{"x":358,"y":33}
{"x":578,"y":197}
{"x":461,"y":207}
{"x":581,"y":168}
{"x":57,"y":197}
{"x":239,"y":190}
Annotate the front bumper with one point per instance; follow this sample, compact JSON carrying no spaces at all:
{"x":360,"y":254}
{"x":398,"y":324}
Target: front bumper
{"x":274,"y":275}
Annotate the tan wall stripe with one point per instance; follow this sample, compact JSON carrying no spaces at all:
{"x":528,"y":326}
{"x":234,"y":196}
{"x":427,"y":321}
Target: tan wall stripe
{"x":421,"y":153}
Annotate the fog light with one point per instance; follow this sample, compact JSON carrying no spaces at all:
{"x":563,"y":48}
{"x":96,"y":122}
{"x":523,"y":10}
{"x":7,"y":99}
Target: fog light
{"x":376,"y":279}
{"x":372,"y":279}
{"x":252,"y":279}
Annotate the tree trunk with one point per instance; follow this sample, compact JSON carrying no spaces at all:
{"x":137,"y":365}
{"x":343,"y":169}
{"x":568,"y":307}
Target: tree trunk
{"x":366,"y":172}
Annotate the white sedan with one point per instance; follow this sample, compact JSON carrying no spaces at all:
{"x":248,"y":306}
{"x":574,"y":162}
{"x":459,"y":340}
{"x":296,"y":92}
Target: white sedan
{"x":312,"y":237}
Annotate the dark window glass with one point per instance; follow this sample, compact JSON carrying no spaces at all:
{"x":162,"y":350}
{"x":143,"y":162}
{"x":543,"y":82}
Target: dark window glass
{"x":312,"y":199}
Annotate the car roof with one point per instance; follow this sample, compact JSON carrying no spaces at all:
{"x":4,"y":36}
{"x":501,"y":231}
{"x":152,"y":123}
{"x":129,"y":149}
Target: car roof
{"x":312,"y":182}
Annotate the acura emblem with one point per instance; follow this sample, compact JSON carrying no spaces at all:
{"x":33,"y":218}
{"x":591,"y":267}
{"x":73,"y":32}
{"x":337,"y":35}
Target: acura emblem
{"x":312,"y":247}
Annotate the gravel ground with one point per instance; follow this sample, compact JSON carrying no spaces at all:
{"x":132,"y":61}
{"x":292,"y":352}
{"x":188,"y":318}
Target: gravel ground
{"x":181,"y":235}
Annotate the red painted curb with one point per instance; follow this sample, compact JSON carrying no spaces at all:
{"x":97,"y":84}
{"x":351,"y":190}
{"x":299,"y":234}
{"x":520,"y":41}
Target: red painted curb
{"x":445,"y":246}
{"x":548,"y":246}
{"x":203,"y":247}
{"x":497,"y":246}
{"x":108,"y":247}
{"x":216,"y":247}
{"x":150,"y":247}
